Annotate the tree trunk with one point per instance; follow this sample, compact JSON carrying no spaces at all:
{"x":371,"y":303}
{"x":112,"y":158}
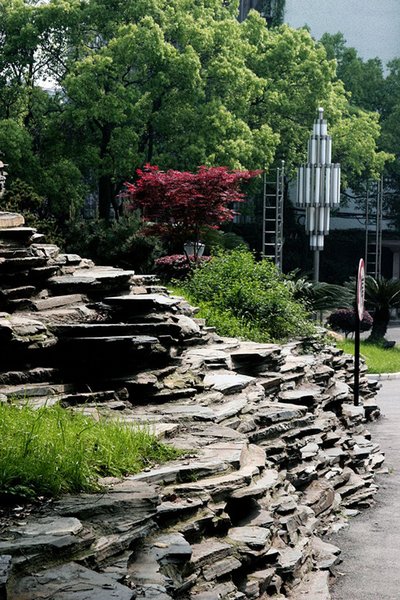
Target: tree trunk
{"x":106,"y":188}
{"x":380,"y":325}
{"x":106,"y":194}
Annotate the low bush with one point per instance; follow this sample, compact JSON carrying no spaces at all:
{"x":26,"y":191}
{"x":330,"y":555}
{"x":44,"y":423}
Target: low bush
{"x":344,"y":320}
{"x":51,"y":451}
{"x":119,"y":243}
{"x":177,"y":266}
{"x":234,"y":287}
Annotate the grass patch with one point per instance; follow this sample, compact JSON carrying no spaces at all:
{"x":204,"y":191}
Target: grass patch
{"x":52,"y":451}
{"x":378,"y":359}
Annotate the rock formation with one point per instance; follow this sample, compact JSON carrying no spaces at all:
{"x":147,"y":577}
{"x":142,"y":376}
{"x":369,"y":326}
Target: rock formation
{"x":276,"y":456}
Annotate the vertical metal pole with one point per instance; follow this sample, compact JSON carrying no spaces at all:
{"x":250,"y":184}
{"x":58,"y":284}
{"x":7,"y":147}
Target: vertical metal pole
{"x":316,"y":266}
{"x":264,"y":213}
{"x":357,"y":360}
{"x":379,"y":229}
{"x":281,"y":218}
{"x":366,"y":227}
{"x":277,"y":206}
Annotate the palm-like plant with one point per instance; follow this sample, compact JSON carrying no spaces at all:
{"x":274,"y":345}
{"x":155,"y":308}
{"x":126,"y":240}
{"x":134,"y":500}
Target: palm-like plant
{"x":381,"y":295}
{"x":319,"y":296}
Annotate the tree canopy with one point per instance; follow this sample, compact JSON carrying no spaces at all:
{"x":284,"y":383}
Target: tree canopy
{"x":180,"y":205}
{"x":179,"y":83}
{"x":375,"y":93}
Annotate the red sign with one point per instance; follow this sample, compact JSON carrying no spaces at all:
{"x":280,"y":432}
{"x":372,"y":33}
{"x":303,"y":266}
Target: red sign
{"x":360,"y":289}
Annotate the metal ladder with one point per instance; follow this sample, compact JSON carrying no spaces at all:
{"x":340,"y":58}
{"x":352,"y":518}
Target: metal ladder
{"x":272,"y":240}
{"x":373,"y":231}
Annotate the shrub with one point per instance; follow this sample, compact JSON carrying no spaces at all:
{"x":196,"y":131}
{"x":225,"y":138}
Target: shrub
{"x":119,"y":243}
{"x":177,"y":266}
{"x":252,"y":293}
{"x":51,"y":450}
{"x":344,"y":320}
{"x":21,"y":198}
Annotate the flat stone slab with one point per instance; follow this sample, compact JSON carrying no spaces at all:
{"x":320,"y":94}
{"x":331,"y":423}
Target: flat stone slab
{"x":189,"y":411}
{"x":315,"y":586}
{"x":56,"y":302}
{"x":46,"y":544}
{"x":268,"y":481}
{"x":139,"y":498}
{"x":180,"y":472}
{"x":208,"y":551}
{"x":9,"y":219}
{"x":198,"y":357}
{"x":289,"y":559}
{"x":49,"y":526}
{"x":254,"y":537}
{"x":268,"y":413}
{"x":220,"y":485}
{"x":227,"y":382}
{"x":16,"y":233}
{"x":306,"y":396}
{"x":221,"y":568}
{"x":229,"y":409}
{"x":324,"y":555}
{"x":91,"y":279}
{"x":70,"y":582}
{"x":21,"y":264}
{"x":138,"y":300}
{"x":125,"y":340}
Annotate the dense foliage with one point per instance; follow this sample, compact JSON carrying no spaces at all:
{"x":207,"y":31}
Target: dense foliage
{"x":119,"y":243}
{"x":181,"y":206}
{"x":376,"y":90}
{"x":246,"y":298}
{"x":178,"y":83}
{"x":177,"y":266}
{"x":381,"y":295}
{"x":344,"y":320}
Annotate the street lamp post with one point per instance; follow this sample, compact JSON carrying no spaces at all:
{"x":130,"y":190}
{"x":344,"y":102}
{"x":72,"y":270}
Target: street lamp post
{"x":3,"y":176}
{"x":318,"y":187}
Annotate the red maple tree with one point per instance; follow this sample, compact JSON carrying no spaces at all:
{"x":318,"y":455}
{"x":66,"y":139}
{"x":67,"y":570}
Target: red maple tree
{"x":179,"y":205}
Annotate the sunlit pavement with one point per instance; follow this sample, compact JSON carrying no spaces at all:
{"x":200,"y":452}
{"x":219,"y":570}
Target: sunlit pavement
{"x":371,"y":545}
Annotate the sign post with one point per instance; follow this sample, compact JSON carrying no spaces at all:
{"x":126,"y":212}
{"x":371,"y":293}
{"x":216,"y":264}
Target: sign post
{"x":360,"y":295}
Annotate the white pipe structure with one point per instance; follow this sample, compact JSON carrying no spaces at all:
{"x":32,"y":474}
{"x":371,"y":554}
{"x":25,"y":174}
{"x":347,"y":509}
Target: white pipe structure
{"x":318,"y":184}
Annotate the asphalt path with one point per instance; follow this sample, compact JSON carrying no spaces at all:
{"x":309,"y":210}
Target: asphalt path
{"x":371,"y":544}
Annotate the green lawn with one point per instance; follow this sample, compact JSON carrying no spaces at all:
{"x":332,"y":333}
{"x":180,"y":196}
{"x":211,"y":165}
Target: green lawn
{"x":379,"y":360}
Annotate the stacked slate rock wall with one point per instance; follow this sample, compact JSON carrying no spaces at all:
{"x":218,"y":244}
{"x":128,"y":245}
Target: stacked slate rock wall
{"x":276,"y":455}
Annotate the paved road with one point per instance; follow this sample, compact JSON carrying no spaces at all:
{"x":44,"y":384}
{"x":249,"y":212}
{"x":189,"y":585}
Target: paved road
{"x":371,"y":545}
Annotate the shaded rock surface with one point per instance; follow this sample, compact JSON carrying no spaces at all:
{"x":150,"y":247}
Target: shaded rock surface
{"x":275,"y":455}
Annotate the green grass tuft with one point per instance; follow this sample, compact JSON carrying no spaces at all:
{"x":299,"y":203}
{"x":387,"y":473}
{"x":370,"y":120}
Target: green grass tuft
{"x":378,"y":359}
{"x":52,"y":451}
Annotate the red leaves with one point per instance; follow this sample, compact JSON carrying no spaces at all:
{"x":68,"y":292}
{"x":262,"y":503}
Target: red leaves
{"x":179,"y":203}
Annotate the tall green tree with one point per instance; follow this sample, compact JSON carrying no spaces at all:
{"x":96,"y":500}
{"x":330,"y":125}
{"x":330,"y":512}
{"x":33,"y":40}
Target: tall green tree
{"x":372,"y":89}
{"x":178,"y":83}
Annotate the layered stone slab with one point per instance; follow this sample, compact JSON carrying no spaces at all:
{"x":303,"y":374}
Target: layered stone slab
{"x":70,"y":582}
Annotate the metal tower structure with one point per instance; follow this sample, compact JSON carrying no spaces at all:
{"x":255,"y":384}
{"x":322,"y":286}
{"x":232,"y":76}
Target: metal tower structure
{"x":272,"y":240}
{"x":373,"y":231}
{"x":318,"y":186}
